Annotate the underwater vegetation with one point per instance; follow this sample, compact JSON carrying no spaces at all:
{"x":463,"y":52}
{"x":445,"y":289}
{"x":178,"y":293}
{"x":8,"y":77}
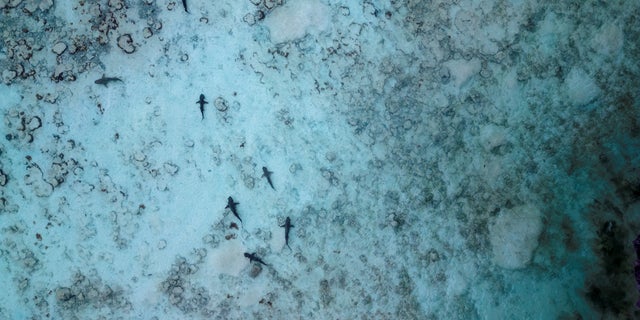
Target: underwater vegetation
{"x":609,"y":285}
{"x":636,"y":267}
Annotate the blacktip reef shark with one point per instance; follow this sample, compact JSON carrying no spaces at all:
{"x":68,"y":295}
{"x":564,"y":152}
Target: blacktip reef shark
{"x":231,"y":205}
{"x":202,"y":102}
{"x":287,"y":226}
{"x":105,"y":80}
{"x":252,"y":257}
{"x":267,"y":173}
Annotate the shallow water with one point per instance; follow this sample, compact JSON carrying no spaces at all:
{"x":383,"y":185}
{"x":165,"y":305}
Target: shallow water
{"x":437,"y":159}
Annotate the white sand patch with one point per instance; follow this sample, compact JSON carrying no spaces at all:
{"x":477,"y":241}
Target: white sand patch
{"x":608,"y":40}
{"x":10,"y":96}
{"x":278,"y":240}
{"x":456,"y":284}
{"x":253,"y":294}
{"x":228,"y":258}
{"x":514,"y":236}
{"x":492,"y":136}
{"x":580,"y":87}
{"x":297,"y":18}
{"x":462,"y":70}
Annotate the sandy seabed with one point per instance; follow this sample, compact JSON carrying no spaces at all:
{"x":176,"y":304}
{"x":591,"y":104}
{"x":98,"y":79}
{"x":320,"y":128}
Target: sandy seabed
{"x":437,"y":159}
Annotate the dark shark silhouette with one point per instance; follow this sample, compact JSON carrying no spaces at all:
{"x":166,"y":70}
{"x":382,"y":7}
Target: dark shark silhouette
{"x":252,"y":257}
{"x":201,"y":102}
{"x":267,"y":173}
{"x":105,"y":80}
{"x":287,"y":226}
{"x":231,"y":205}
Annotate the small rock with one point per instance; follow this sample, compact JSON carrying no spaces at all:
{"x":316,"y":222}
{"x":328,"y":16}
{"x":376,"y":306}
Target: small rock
{"x":139,"y":156}
{"x":3,"y":178}
{"x":255,"y":271}
{"x":269,"y":4}
{"x":10,"y":3}
{"x":147,"y":32}
{"x":64,"y":294}
{"x":433,"y":255}
{"x":249,"y":19}
{"x":125,"y":42}
{"x":175,"y":300}
{"x":330,"y":156}
{"x":43,"y":5}
{"x":177,"y":291}
{"x":444,"y":74}
{"x":59,"y":48}
{"x":92,"y":293}
{"x":34,"y":123}
{"x":221,"y":104}
{"x":30,"y":262}
{"x":8,"y":75}
{"x":51,"y":98}
{"x":13,"y":113}
{"x":19,"y":69}
{"x":249,"y":181}
{"x":23,"y":283}
{"x":171,"y":168}
{"x":117,"y":4}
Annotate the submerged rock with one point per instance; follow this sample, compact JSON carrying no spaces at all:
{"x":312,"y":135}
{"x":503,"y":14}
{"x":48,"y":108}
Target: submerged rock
{"x":514,"y":236}
{"x":636,"y":268}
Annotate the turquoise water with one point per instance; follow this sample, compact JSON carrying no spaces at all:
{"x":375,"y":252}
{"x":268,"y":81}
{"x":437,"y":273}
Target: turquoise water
{"x":437,"y":159}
